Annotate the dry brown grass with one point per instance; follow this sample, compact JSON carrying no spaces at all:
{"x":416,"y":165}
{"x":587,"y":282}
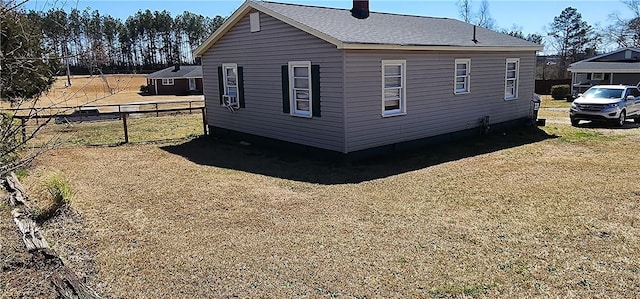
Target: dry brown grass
{"x":92,"y":90}
{"x":521,"y":215}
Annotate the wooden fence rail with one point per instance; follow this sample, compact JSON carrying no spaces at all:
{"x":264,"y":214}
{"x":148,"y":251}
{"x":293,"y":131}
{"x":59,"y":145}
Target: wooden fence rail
{"x":123,"y":115}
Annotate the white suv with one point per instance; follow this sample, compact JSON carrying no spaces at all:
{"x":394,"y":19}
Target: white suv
{"x":613,"y":103}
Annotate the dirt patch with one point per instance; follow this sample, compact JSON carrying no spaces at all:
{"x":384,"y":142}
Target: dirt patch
{"x":30,"y":274}
{"x":19,"y":277}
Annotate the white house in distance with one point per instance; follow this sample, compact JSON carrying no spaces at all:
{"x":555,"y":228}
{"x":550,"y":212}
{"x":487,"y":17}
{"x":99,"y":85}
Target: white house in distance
{"x":357,"y":82}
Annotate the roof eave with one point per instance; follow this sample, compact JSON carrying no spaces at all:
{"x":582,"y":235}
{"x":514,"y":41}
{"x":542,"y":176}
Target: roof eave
{"x":358,"y":46}
{"x":226,"y":26}
{"x":573,"y":70}
{"x":242,"y":11}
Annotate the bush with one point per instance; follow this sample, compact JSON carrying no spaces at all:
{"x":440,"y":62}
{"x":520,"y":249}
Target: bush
{"x":144,"y":89}
{"x":59,"y":188}
{"x":560,"y":92}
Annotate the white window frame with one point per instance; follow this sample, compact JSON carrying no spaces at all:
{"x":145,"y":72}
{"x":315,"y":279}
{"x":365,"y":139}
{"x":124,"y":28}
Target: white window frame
{"x":466,"y":77}
{"x":233,"y":101}
{"x":167,"y":81}
{"x":515,"y":80}
{"x":402,"y":110}
{"x":599,"y":77}
{"x":294,"y":111}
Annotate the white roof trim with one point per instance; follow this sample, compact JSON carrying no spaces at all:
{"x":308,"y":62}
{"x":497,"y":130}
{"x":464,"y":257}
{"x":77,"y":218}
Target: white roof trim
{"x":242,"y":11}
{"x":248,"y":4}
{"x":616,"y":71}
{"x":226,"y":26}
{"x":436,"y":48}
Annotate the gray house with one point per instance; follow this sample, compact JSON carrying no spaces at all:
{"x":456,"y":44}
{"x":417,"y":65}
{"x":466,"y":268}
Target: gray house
{"x":618,"y":67}
{"x":322,"y":78}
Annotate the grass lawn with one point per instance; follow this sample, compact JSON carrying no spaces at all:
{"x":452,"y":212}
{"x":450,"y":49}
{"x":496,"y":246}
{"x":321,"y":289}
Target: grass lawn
{"x":550,"y":213}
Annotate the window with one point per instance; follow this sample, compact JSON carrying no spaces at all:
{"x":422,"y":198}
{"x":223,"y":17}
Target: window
{"x":393,"y":87}
{"x":167,"y":81}
{"x":597,"y":76}
{"x":511,"y":79}
{"x":462,"y":76}
{"x":230,"y":81}
{"x":300,"y":88}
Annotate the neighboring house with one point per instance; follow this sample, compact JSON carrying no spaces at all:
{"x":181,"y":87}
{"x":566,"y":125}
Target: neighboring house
{"x":176,"y":80}
{"x":321,"y":78}
{"x":618,"y":67}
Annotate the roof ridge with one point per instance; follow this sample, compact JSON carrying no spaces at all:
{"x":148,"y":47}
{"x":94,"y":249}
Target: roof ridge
{"x":346,"y":9}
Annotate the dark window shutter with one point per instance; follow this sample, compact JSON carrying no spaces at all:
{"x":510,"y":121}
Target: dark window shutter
{"x":588,"y":76}
{"x":220,"y":83}
{"x":315,"y":89}
{"x":285,"y":89}
{"x":241,"y":87}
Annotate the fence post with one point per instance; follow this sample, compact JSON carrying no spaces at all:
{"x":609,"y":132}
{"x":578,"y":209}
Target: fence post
{"x":204,"y":121}
{"x":190,"y":106}
{"x":23,"y":125}
{"x":126,"y":130}
{"x":157,"y":113}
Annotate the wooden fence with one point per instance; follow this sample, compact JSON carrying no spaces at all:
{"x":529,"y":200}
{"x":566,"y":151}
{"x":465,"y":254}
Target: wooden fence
{"x":121,"y":112}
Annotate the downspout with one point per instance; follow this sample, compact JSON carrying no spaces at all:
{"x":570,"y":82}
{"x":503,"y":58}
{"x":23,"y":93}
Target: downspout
{"x":155,"y":84}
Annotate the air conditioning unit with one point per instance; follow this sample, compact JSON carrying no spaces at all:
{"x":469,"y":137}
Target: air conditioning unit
{"x":229,"y":101}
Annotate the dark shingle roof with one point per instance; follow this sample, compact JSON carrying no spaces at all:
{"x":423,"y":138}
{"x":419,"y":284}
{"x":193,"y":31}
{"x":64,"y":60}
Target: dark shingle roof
{"x":378,"y":31}
{"x":393,"y":29}
{"x":186,"y":71}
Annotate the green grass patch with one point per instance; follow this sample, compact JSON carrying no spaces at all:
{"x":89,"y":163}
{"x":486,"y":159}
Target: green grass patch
{"x":549,"y":102}
{"x":578,"y":135}
{"x":60,"y":195}
{"x":21,"y":173}
{"x":140,"y":130}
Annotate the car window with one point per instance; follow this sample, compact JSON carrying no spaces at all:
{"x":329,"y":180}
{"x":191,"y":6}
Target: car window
{"x":606,"y":93}
{"x":635,"y":92}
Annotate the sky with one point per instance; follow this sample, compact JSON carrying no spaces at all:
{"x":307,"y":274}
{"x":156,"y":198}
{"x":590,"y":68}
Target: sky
{"x":525,"y":15}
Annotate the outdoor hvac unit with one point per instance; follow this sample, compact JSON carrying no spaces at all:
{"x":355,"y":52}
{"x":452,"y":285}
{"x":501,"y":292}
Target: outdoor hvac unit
{"x":229,"y":101}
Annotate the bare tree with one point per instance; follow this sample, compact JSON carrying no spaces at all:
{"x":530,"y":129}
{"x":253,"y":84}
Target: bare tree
{"x":464,"y":7}
{"x":484,"y":17}
{"x":626,"y":32}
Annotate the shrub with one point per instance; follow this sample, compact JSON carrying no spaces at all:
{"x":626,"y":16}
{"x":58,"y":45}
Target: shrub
{"x":59,"y":189}
{"x":560,"y":92}
{"x":144,"y":89}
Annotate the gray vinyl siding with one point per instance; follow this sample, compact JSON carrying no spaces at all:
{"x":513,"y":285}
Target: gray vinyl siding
{"x":432,"y":108}
{"x":626,"y":78}
{"x":261,"y":54}
{"x":620,"y":56}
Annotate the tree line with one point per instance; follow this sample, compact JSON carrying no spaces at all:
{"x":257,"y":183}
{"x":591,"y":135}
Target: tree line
{"x":148,"y":40}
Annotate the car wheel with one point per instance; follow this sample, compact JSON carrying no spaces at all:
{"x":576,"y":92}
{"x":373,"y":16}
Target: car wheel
{"x":575,"y":122}
{"x":621,"y":119}
{"x":637,"y":120}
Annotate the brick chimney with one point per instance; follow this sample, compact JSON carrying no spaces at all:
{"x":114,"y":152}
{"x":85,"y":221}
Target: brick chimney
{"x":360,"y":9}
{"x":176,"y":67}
